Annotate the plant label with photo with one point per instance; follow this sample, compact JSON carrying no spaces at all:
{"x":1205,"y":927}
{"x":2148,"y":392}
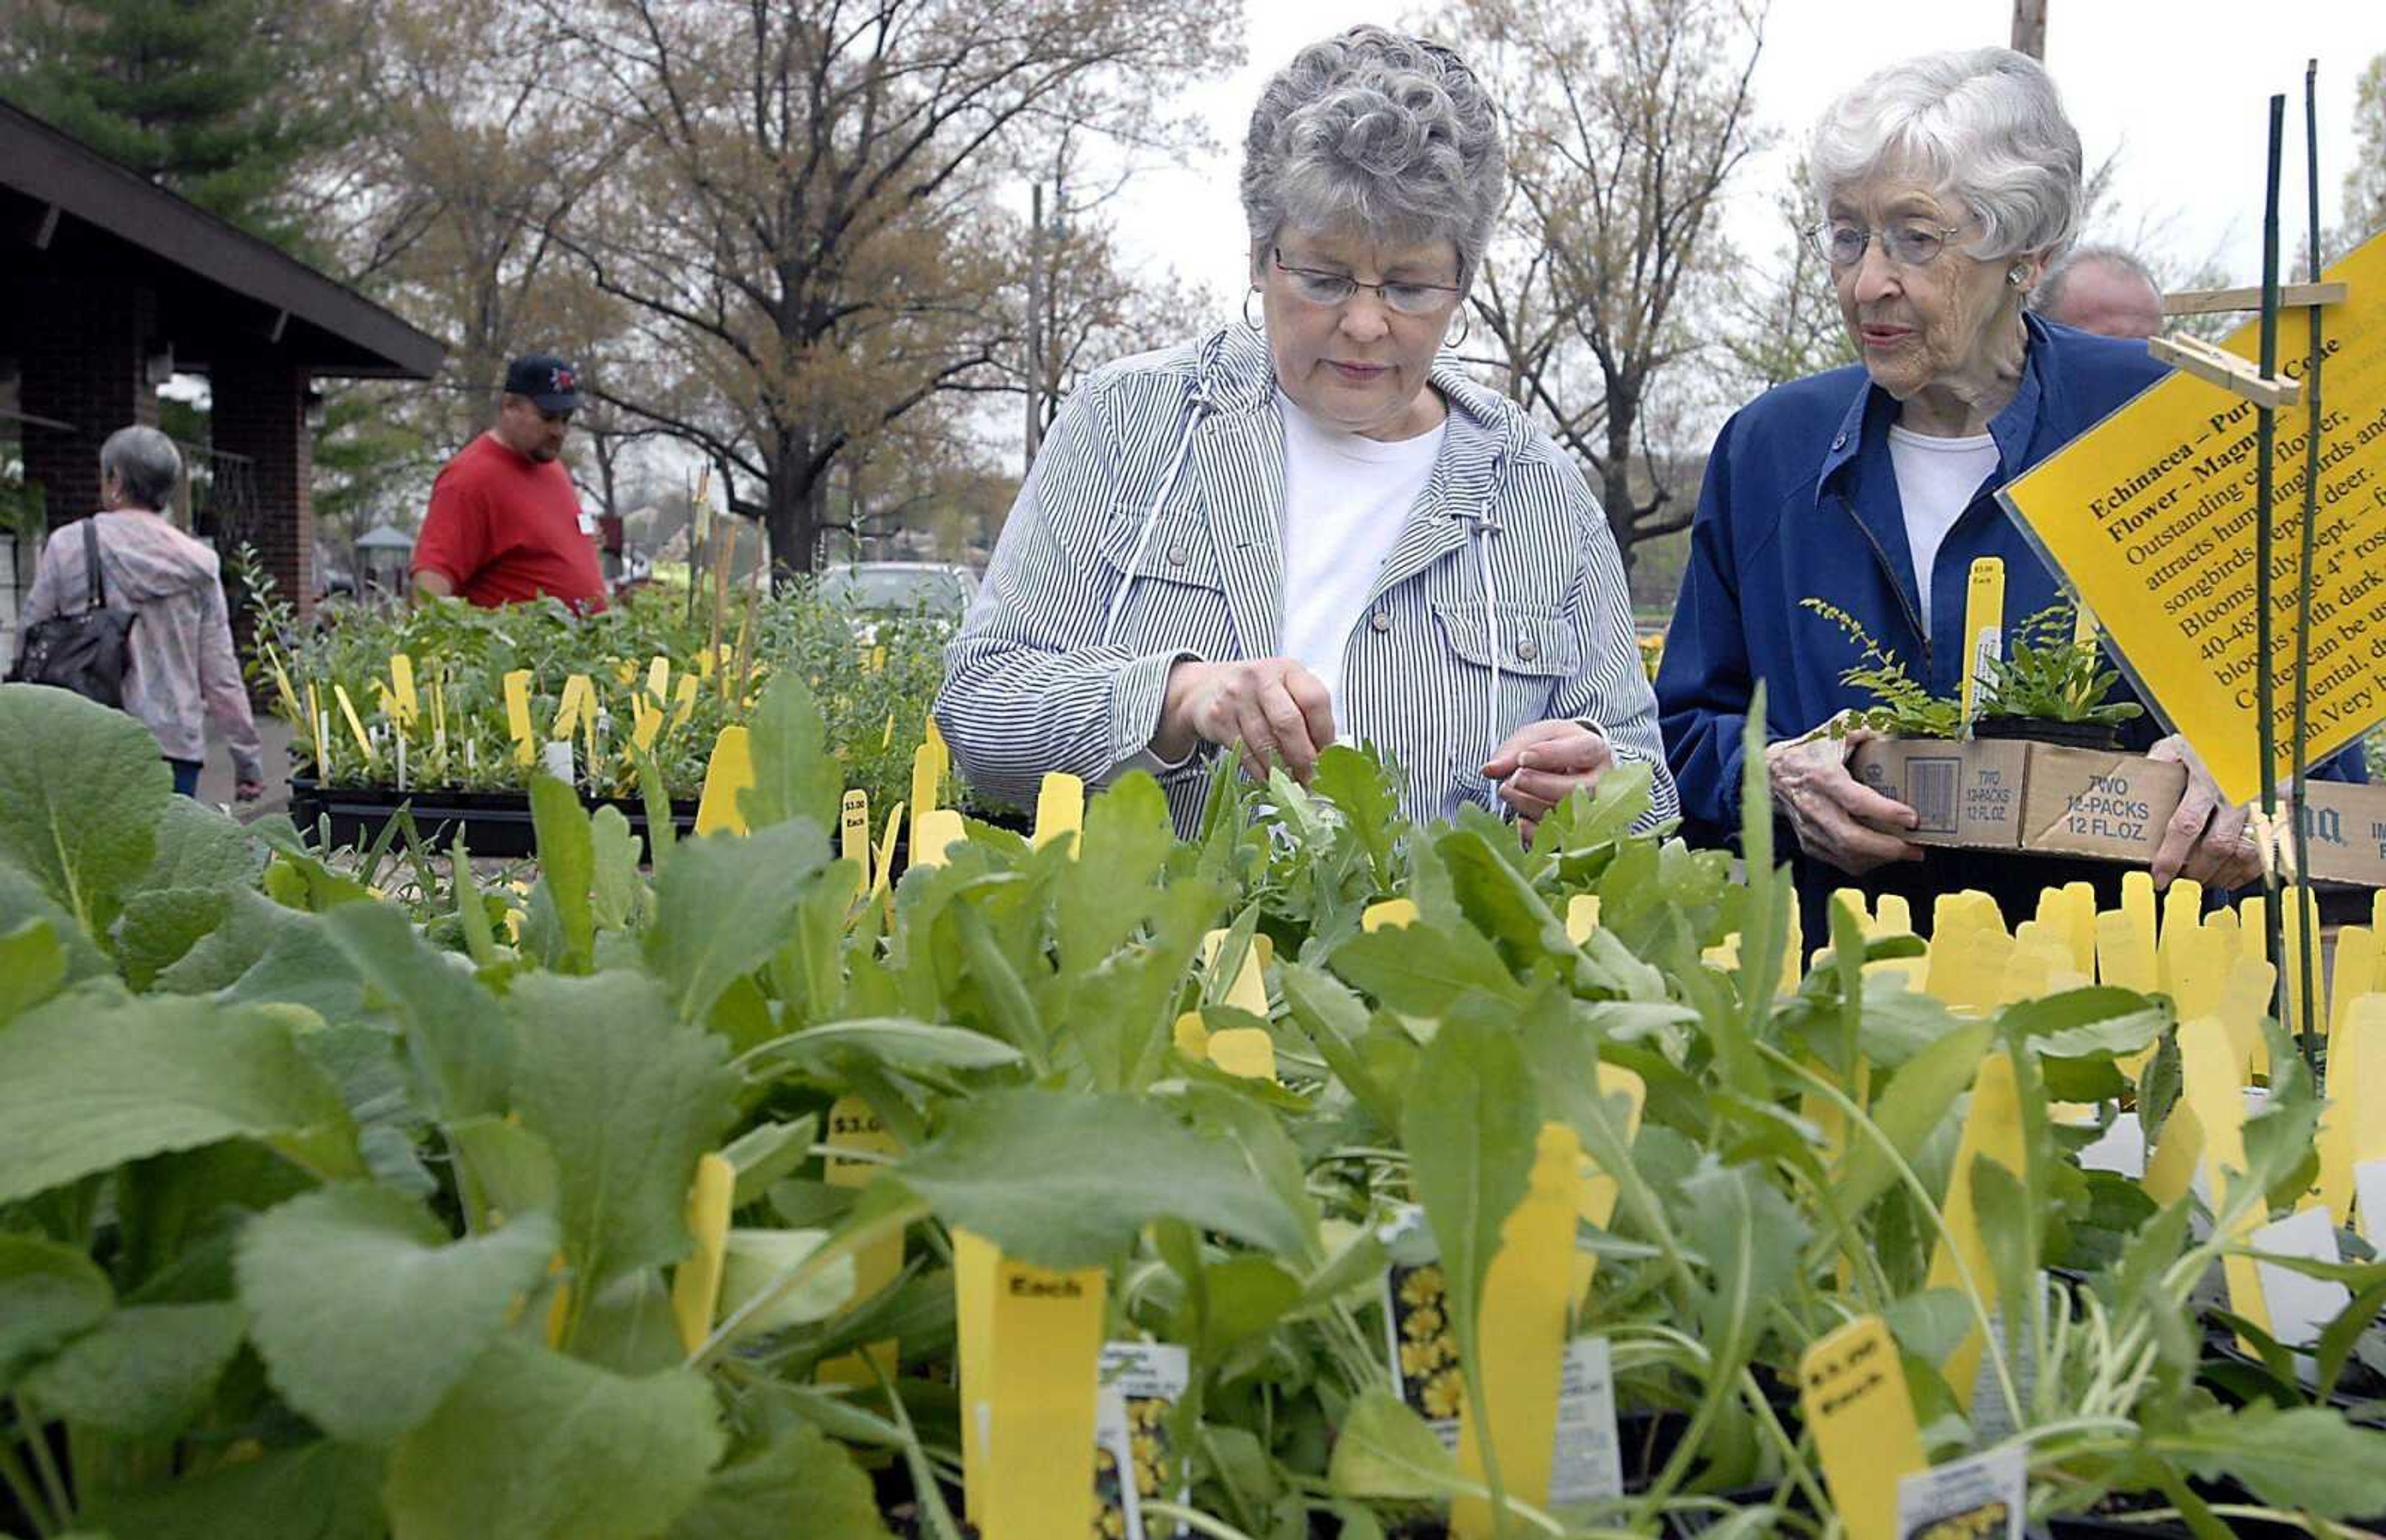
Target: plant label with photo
{"x":1585,"y":1463}
{"x":1984,"y":1497}
{"x":1142,"y":1382}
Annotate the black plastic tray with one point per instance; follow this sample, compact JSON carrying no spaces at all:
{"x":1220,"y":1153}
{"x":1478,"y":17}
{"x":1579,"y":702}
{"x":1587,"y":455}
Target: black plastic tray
{"x":495,"y":825}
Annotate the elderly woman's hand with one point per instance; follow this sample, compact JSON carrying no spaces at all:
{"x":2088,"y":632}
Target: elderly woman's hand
{"x":1261,"y":708}
{"x":2205,"y":839}
{"x":1837,"y":819}
{"x":1542,"y":764}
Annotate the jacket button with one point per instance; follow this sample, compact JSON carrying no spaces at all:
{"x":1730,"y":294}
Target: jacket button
{"x":1176,"y":556}
{"x":1527,"y":649}
{"x":1841,"y":441}
{"x":1381,"y":620}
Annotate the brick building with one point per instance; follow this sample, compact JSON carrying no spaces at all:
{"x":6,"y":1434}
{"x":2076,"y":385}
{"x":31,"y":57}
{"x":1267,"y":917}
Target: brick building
{"x":112,"y":283}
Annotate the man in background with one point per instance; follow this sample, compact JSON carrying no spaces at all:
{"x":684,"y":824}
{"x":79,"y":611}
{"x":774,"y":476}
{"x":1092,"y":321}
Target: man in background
{"x":2100,"y":289}
{"x":504,"y":524}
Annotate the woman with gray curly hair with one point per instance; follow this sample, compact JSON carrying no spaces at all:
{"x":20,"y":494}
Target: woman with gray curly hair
{"x":1947,"y":184}
{"x":1313,"y":527}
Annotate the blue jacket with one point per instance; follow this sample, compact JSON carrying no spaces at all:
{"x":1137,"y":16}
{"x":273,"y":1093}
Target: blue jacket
{"x":1800,"y":501}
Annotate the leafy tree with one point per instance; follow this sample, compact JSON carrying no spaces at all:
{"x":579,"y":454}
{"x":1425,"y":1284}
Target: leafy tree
{"x":203,"y":96}
{"x":2365,"y":185}
{"x":1630,"y":119}
{"x":803,"y":226}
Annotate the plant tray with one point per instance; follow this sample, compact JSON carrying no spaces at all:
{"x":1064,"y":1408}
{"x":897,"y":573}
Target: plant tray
{"x":495,"y":824}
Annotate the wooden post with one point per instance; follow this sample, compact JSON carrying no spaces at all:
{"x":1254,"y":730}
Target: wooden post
{"x":2029,"y":28}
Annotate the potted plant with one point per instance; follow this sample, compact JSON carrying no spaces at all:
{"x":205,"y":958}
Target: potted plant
{"x":2050,"y":686}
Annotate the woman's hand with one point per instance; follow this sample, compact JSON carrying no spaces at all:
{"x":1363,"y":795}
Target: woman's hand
{"x":2205,"y":839}
{"x":1839,"y":820}
{"x":1258,"y":707}
{"x":1542,"y":764}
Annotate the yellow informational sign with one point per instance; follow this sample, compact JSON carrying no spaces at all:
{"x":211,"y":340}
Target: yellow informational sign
{"x":2152,"y":516}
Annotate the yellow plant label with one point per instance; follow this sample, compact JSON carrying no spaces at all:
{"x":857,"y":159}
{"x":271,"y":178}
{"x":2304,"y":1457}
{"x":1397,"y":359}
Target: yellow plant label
{"x":855,"y":1130}
{"x":1394,"y":912}
{"x":2212,"y":1086}
{"x":646,"y":722}
{"x":658,"y":679}
{"x":1191,"y":1037}
{"x":684,"y":703}
{"x":401,"y":686}
{"x":1246,"y":1052}
{"x":975,"y":1262}
{"x":1991,"y":1128}
{"x":2182,"y":928}
{"x":1059,"y":807}
{"x":1249,"y":990}
{"x":1852,"y":1387}
{"x":2363,"y":1053}
{"x":2151,"y":515}
{"x":2171,"y":1171}
{"x":853,"y":829}
{"x":923,"y":782}
{"x":2244,"y":999}
{"x":348,"y":710}
{"x":517,"y":686}
{"x":934,"y":834}
{"x":1984,"y":626}
{"x":882,"y":876}
{"x":1582,"y":917}
{"x":1044,"y":1335}
{"x":696,"y":1282}
{"x":729,"y":771}
{"x":1526,"y":1295}
{"x":1596,"y":1196}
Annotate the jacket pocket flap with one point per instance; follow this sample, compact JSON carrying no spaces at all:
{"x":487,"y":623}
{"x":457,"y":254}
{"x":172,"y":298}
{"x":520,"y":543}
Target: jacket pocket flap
{"x":1179,"y":549}
{"x":1531,"y":639}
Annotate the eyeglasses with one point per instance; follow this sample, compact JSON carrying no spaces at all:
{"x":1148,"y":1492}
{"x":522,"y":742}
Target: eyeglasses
{"x":1842,"y":243}
{"x":1316,"y":286}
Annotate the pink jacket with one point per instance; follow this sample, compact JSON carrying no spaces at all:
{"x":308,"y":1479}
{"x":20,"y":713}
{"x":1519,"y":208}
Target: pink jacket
{"x":182,"y":666}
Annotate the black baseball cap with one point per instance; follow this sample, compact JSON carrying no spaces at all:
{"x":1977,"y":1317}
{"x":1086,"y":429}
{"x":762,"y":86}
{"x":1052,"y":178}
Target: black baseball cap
{"x":552,"y":384}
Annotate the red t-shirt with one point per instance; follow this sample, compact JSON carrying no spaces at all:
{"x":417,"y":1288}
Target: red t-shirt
{"x":504,"y":528}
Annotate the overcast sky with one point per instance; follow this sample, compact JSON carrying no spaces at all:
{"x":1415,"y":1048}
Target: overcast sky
{"x":2179,"y":88}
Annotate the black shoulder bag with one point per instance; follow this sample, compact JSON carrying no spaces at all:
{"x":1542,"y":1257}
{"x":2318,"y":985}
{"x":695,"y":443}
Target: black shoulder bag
{"x":87,"y":652}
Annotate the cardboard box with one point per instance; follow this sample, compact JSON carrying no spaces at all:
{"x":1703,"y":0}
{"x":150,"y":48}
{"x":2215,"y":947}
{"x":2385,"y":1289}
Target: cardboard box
{"x":2345,"y":827}
{"x":2004,"y":794}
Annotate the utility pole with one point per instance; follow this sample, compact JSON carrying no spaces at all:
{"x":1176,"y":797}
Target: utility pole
{"x":1034,"y":326}
{"x":2030,"y":29}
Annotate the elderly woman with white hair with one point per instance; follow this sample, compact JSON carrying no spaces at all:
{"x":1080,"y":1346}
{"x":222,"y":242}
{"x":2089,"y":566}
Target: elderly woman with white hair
{"x":1946,"y":185}
{"x":180,"y":666}
{"x":1311,"y":527}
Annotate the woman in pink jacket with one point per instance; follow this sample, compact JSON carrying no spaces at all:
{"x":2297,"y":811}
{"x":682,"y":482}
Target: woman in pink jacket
{"x":181,"y":666}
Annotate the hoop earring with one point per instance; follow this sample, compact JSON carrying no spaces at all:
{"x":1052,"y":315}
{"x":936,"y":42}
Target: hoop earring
{"x":2018,"y":275}
{"x":1466,"y":328}
{"x":1255,"y":325}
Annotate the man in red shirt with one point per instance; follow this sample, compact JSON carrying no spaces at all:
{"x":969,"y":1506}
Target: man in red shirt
{"x":504,"y":524}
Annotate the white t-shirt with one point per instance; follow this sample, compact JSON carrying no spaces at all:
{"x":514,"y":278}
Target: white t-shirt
{"x":1935,"y":478}
{"x":1346,"y":499}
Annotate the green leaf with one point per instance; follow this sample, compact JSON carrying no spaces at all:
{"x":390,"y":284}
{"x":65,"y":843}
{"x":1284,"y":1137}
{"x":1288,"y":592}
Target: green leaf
{"x":49,"y":1295}
{"x":614,"y":892}
{"x":1336,"y":1021}
{"x":1369,"y":801}
{"x":23,"y":903}
{"x":160,"y":925}
{"x":799,"y":1483}
{"x":1066,"y":1180}
{"x":567,"y":865}
{"x":626,"y":1099}
{"x":1247,"y":1295}
{"x":1419,"y":969}
{"x":725,"y":906}
{"x":534,"y":1446}
{"x":366,"y":1314}
{"x":199,"y":847}
{"x":302,"y":965}
{"x":455,"y":1033}
{"x":889,"y":1041}
{"x":2306,"y":1461}
{"x":32,"y":967}
{"x":320,"y":1491}
{"x":1749,"y":1239}
{"x":502,"y":1169}
{"x":1383,"y":1450}
{"x":69,"y":1105}
{"x":1107,"y":890}
{"x":81,"y":790}
{"x":2081,"y":1024}
{"x":1908,"y":1110}
{"x":766,"y":1152}
{"x":795,"y":778}
{"x":146,"y":1371}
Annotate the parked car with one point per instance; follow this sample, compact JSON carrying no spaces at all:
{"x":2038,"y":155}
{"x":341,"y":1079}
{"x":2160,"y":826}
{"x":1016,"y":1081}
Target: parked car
{"x":939,"y":587}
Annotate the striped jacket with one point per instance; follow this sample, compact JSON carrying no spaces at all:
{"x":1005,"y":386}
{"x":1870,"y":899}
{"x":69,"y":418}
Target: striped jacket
{"x":1149,"y":533}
